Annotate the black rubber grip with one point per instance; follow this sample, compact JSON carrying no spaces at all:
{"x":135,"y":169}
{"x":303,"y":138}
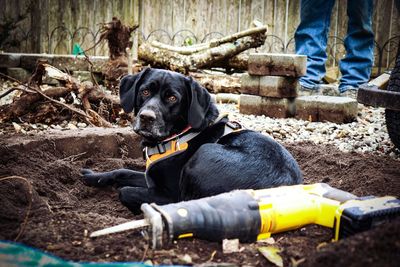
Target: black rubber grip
{"x":358,"y":219}
{"x":226,"y":216}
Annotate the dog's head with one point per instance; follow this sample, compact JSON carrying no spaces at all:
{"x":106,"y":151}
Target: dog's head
{"x":165,"y":103}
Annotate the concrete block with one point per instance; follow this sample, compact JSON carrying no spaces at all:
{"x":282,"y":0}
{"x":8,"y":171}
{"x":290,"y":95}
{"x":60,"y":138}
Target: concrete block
{"x":79,"y":63}
{"x":82,"y":75}
{"x":268,"y":106}
{"x":28,"y":61}
{"x":250,"y":84}
{"x":19,"y":74}
{"x":250,"y":104}
{"x":276,"y":86}
{"x":326,"y":108}
{"x":99,"y":62}
{"x":277,"y":64}
{"x":271,"y":86}
{"x":69,"y":62}
{"x":9,"y":61}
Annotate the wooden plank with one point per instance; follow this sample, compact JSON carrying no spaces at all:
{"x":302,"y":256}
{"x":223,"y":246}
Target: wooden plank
{"x":44,"y":28}
{"x":269,"y":20}
{"x":166,"y":18}
{"x":134,"y":12}
{"x":292,"y":23}
{"x":278,"y":28}
{"x":196,"y":17}
{"x":232,"y":16}
{"x":336,"y":47}
{"x":146,"y":25}
{"x":375,"y":20}
{"x":332,"y":61}
{"x":178,"y":15}
{"x":221,"y":20}
{"x":100,"y":15}
{"x":381,"y":81}
{"x":383,"y":8}
{"x":217,"y":17}
{"x":55,"y":21}
{"x":395,"y":31}
{"x":245,"y":14}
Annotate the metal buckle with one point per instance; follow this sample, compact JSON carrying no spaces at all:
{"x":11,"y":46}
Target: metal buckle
{"x":234,"y":125}
{"x":161,"y":148}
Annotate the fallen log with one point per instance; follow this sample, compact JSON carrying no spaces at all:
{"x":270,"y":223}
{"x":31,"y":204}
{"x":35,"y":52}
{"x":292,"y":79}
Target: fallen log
{"x":188,"y":50}
{"x":215,"y":53}
{"x":218,"y":83}
{"x":238,"y":63}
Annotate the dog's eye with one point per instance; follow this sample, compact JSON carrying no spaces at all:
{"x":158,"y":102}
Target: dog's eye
{"x":145,"y":92}
{"x":172,"y":98}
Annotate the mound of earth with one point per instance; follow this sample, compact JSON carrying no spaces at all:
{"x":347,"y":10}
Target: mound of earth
{"x":57,"y":211}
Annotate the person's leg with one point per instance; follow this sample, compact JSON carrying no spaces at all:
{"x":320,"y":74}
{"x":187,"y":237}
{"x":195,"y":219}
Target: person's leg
{"x":359,"y":44}
{"x":311,"y":38}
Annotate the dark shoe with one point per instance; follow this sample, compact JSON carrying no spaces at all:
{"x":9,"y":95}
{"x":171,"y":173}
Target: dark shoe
{"x":329,"y":89}
{"x":306,"y":91}
{"x":320,"y":89}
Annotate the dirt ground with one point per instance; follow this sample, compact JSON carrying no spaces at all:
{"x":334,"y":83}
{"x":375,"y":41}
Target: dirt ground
{"x":63,"y":211}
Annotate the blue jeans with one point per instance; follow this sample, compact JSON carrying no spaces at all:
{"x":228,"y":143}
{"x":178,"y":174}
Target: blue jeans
{"x":311,"y":40}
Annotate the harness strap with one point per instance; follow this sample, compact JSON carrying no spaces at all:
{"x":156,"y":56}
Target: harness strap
{"x":163,"y":147}
{"x":180,"y":142}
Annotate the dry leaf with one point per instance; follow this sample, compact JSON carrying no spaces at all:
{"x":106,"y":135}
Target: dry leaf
{"x":186,"y":259}
{"x":271,"y":254}
{"x":17,"y":127}
{"x":296,"y":263}
{"x":321,"y":245}
{"x":212,"y":255}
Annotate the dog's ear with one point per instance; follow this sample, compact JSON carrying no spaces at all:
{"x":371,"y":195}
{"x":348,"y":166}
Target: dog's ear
{"x":199,"y":104}
{"x":128,"y":89}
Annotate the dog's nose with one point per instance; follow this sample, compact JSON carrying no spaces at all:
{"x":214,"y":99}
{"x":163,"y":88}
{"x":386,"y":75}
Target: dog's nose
{"x":147,"y":116}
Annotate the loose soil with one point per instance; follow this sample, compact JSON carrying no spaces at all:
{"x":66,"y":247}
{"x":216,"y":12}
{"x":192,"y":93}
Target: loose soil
{"x":62,"y":211}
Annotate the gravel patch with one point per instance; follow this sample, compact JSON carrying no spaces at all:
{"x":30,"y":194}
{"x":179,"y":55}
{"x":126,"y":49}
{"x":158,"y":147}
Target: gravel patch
{"x":366,"y":135}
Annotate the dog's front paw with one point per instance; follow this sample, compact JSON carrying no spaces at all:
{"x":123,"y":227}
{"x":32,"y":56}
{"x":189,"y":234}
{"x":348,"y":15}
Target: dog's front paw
{"x":100,"y":179}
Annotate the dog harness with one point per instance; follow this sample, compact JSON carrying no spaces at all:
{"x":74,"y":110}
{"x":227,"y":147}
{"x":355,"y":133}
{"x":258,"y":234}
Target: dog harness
{"x":177,"y":144}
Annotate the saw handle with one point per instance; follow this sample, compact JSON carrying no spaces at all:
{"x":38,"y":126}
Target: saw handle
{"x":225,"y":216}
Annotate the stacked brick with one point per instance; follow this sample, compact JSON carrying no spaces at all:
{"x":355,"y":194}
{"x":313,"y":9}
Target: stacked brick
{"x":270,"y":88}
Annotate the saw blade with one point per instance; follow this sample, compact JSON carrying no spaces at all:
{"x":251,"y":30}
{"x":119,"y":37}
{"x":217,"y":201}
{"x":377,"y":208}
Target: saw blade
{"x":122,"y":227}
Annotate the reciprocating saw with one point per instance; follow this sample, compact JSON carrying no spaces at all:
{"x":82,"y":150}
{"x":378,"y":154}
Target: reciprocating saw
{"x":250,"y":215}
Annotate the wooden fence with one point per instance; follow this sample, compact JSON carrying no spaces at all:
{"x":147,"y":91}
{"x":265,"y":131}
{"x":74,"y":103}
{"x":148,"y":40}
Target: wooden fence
{"x":54,"y":26}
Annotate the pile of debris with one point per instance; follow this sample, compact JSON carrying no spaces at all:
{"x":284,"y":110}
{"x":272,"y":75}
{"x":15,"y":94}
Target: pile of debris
{"x":85,"y":89}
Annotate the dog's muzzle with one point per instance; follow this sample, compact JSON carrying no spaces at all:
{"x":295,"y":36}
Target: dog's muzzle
{"x":150,"y":125}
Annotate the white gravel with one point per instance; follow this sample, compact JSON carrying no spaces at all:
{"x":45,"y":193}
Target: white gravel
{"x":367,"y":134}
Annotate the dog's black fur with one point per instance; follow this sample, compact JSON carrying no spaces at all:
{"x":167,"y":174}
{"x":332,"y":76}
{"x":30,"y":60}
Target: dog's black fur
{"x":165,"y":103}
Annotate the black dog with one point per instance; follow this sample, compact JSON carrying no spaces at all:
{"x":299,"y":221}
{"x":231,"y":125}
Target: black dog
{"x":191,"y":152}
